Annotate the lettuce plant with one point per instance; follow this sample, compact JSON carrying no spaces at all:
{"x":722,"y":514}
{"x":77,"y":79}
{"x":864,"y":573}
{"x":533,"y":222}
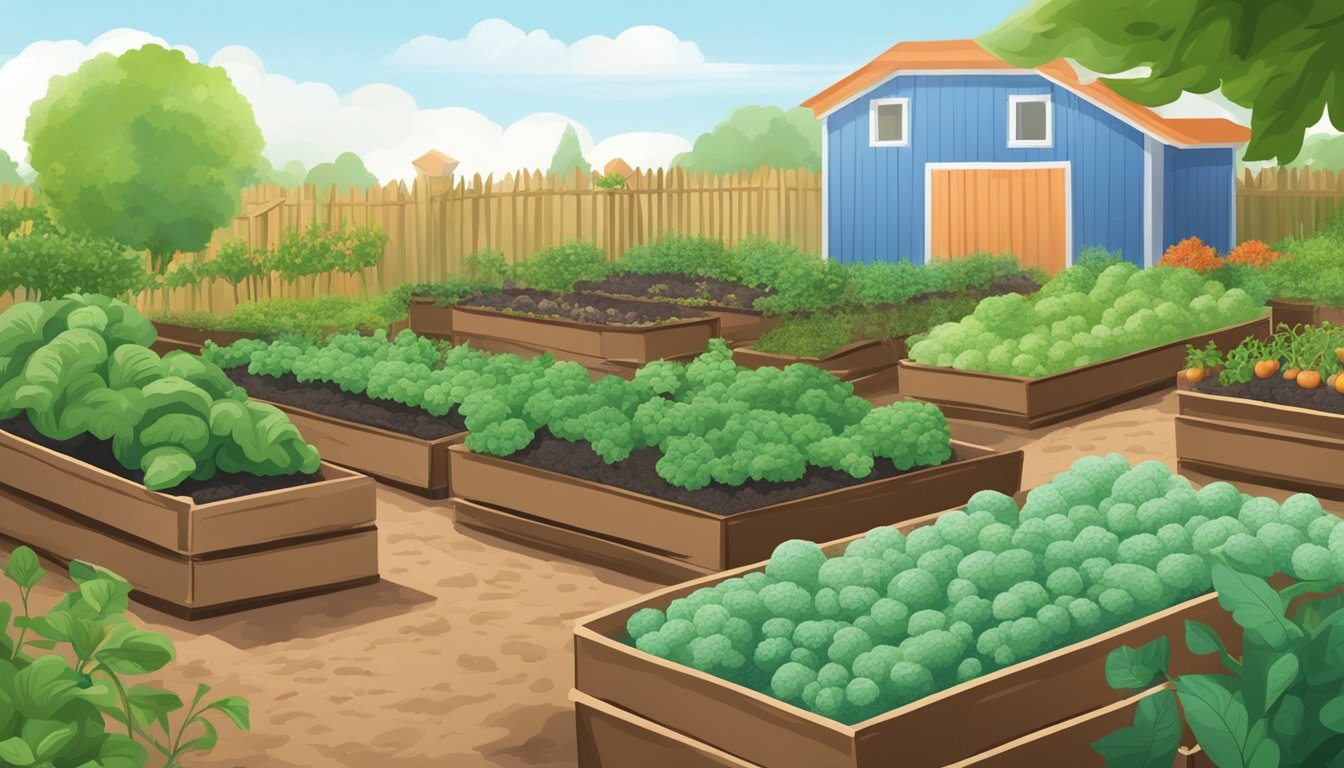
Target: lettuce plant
{"x":89,"y":713}
{"x":81,"y":365}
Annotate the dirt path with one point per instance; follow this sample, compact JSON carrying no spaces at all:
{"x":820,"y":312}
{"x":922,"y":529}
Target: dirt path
{"x":461,"y":656}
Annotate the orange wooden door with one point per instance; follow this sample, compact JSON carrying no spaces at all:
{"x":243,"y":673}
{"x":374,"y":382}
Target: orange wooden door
{"x":1018,"y":211}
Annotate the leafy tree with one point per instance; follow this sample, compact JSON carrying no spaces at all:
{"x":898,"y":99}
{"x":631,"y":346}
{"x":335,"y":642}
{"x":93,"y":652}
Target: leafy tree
{"x":346,"y":171}
{"x":1322,"y":151}
{"x":9,"y":170}
{"x":292,"y":175}
{"x":754,"y":136}
{"x":1271,"y":56}
{"x":569,"y":155}
{"x":145,"y":148}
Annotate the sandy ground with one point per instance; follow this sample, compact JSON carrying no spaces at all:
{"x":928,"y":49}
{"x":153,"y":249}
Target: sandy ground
{"x":461,"y":656}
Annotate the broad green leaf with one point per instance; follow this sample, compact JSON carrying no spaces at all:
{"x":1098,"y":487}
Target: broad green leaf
{"x":1266,"y":674}
{"x":237,"y":710}
{"x":119,"y":751}
{"x":44,"y":686}
{"x":16,"y":751}
{"x":137,"y":653}
{"x":1293,"y":591}
{"x":24,"y":568}
{"x":206,"y":741}
{"x":153,"y":705}
{"x":166,"y":467}
{"x":1151,"y":742}
{"x":1201,"y":639}
{"x":1280,"y":677}
{"x":1332,"y":714}
{"x":1218,"y":718}
{"x":1289,"y":718}
{"x":48,"y":737}
{"x":132,"y":367}
{"x":81,"y":571}
{"x":1255,"y":606}
{"x":1138,"y":668}
{"x":1261,"y":750}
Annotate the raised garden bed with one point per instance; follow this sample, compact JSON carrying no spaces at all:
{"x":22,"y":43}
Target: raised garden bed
{"x":716,"y":719}
{"x":1292,"y":313}
{"x":1265,"y":443}
{"x":868,"y":365}
{"x":401,"y":446}
{"x":619,"y":349}
{"x":1023,"y":402}
{"x":189,"y":339}
{"x":681,"y":534}
{"x":730,"y":302}
{"x":427,"y":318}
{"x":189,"y":557}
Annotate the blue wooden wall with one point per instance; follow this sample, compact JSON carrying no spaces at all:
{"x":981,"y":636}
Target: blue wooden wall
{"x":876,"y":194}
{"x":1198,"y":196}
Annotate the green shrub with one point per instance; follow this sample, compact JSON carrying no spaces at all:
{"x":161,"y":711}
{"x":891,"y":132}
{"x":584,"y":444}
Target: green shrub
{"x":699,"y":256}
{"x":558,"y":268}
{"x":313,"y":318}
{"x":1315,"y":273}
{"x":49,"y":263}
{"x":57,"y":714}
{"x":822,"y":333}
{"x":81,"y":365}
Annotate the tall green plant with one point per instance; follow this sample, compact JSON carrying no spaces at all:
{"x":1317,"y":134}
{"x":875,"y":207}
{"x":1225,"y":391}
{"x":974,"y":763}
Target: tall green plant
{"x":1280,"y":703}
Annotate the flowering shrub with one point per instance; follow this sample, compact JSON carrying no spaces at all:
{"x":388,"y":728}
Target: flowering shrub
{"x":1253,"y":253}
{"x":1192,"y":253}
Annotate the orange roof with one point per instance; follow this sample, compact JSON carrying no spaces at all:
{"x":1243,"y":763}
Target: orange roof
{"x":968,"y":55}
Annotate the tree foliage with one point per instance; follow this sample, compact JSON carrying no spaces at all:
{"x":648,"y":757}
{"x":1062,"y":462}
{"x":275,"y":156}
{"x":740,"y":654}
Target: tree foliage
{"x":569,"y":155}
{"x":291,"y":175}
{"x":1276,"y":57}
{"x":346,"y":171}
{"x":753,"y":136}
{"x":145,"y":148}
{"x":9,"y":170}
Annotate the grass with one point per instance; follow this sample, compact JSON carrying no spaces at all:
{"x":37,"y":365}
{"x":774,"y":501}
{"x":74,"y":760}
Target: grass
{"x":313,"y":318}
{"x":820,"y":334}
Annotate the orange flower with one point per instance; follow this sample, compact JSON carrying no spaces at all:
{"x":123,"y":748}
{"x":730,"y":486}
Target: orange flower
{"x":1254,"y":253}
{"x":1191,"y":253}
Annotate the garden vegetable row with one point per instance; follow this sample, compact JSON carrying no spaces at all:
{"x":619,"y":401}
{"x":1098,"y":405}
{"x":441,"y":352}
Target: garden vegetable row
{"x":905,"y":631}
{"x":92,"y":423}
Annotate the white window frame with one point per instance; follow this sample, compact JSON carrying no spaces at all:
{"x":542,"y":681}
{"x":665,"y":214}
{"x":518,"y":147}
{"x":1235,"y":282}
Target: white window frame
{"x":905,"y":122}
{"x":1028,"y":98}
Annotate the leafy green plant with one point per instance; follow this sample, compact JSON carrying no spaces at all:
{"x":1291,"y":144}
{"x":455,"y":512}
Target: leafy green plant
{"x":558,"y":268}
{"x":678,"y":255}
{"x":57,"y":714}
{"x":613,"y":180}
{"x":900,"y":616}
{"x":820,"y":333}
{"x":1280,"y":701}
{"x":81,"y":365}
{"x":236,"y":265}
{"x":48,"y":262}
{"x":1078,"y":319}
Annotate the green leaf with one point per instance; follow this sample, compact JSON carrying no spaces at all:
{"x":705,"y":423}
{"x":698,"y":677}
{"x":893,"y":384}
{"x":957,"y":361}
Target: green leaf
{"x":1255,"y":607}
{"x":1262,"y":750}
{"x":1289,"y":719}
{"x":1217,"y":716}
{"x":1138,"y":668}
{"x":1151,"y":742}
{"x":236,"y":709}
{"x":1266,"y":675}
{"x":44,"y":686}
{"x":1202,"y":640}
{"x":152,"y":705}
{"x":1279,"y":678}
{"x":1293,"y":591}
{"x":119,"y":751}
{"x":81,"y":572}
{"x":24,"y":568}
{"x":137,"y":652}
{"x":166,"y":467}
{"x":16,"y":751}
{"x":48,"y":737}
{"x":206,"y":741}
{"x":1332,"y":714}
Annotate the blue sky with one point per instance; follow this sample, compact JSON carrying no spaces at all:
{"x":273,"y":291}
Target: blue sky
{"x":346,"y":45}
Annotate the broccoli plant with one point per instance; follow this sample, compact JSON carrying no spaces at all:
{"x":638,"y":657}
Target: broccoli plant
{"x":81,"y":365}
{"x":1280,"y":702}
{"x":899,"y":616}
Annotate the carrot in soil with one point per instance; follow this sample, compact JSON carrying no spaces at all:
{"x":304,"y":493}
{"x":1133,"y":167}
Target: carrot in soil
{"x":1339,"y":383}
{"x":1291,"y":373}
{"x":1193,"y":375}
{"x":1309,"y":379}
{"x":1266,"y":368}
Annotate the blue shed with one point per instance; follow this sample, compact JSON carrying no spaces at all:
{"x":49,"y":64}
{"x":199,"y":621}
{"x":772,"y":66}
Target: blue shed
{"x":939,"y":149}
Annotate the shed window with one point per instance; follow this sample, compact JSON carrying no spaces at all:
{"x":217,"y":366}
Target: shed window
{"x":1029,"y":123}
{"x":889,"y":122}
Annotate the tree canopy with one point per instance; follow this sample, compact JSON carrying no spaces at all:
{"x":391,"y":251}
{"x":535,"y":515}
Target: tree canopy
{"x":346,"y":171}
{"x":753,"y":136}
{"x":146,"y":148}
{"x":291,"y":175}
{"x":9,"y":170}
{"x":1279,"y":58}
{"x":569,"y":155}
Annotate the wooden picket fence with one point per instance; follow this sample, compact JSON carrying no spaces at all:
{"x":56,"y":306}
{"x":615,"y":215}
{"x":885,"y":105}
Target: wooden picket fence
{"x":1286,"y":202}
{"x":433,"y":224}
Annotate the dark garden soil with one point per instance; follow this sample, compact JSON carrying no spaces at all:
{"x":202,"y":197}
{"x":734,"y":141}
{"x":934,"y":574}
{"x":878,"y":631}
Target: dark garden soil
{"x":98,"y":453}
{"x":638,"y":473}
{"x":1279,"y":391}
{"x":668,"y":286}
{"x":581,"y":307}
{"x":328,"y":400}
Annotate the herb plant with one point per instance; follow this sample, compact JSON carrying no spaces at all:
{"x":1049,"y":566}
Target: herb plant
{"x":81,"y":365}
{"x":64,"y":715}
{"x":900,"y":616}
{"x":1280,"y":702}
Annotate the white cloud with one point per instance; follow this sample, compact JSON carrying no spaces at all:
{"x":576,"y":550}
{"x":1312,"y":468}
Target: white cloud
{"x":312,"y":122}
{"x":24,"y":78}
